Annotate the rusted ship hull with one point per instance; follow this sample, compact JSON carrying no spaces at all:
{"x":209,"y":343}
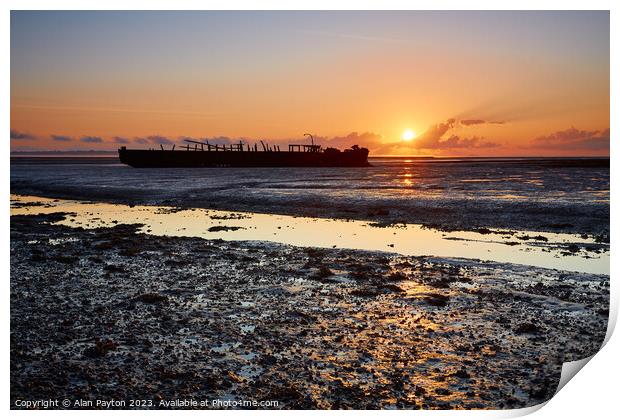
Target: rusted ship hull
{"x":198,"y":158}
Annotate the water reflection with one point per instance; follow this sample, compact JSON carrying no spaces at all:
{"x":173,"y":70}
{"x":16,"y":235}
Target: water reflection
{"x":548,"y":250}
{"x":407,"y":178}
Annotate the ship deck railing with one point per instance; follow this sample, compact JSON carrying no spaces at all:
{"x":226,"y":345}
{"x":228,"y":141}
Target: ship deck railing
{"x":239,"y":147}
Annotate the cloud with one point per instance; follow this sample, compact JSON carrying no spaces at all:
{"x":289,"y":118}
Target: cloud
{"x":472,"y":122}
{"x":435,"y":138}
{"x":456,"y":142}
{"x":91,"y":139}
{"x":155,"y":139}
{"x":56,"y":137}
{"x":120,"y":140}
{"x":573,"y":138}
{"x":217,"y":140}
{"x":367,"y":139}
{"x":431,"y":138}
{"x":478,"y":122}
{"x":159,"y":140}
{"x":17,"y":135}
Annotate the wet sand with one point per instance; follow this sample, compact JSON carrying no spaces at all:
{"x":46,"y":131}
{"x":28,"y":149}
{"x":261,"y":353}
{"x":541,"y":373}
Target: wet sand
{"x":113,"y":313}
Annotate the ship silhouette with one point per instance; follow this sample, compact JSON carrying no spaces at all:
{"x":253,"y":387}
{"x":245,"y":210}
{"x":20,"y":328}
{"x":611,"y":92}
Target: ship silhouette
{"x":204,"y":154}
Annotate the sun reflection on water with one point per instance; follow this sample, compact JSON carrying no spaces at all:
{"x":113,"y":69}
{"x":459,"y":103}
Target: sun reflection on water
{"x":541,"y":249}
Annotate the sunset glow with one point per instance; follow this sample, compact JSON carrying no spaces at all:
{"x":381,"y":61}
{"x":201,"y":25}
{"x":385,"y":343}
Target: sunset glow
{"x":476,"y":83}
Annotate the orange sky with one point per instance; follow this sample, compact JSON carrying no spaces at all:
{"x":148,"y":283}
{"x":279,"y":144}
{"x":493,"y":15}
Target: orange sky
{"x":467,"y":83}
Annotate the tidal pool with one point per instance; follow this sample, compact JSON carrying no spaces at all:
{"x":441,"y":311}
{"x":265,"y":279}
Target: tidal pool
{"x":568,"y":252}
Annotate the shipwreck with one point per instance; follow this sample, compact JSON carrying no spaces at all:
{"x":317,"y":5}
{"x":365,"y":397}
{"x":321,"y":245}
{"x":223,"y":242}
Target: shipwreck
{"x":195,"y":154}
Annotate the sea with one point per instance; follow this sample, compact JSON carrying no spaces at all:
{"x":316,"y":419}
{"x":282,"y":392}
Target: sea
{"x":542,"y":194}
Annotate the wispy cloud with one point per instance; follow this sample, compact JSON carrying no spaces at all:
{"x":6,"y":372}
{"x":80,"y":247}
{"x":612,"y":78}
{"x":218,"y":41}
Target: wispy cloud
{"x":159,"y":140}
{"x":436,"y":138}
{"x":573,"y":138}
{"x":431,"y":138}
{"x":473,"y":121}
{"x":91,"y":139}
{"x":120,"y":140}
{"x":56,"y":137}
{"x":457,"y":142}
{"x":17,"y":135}
{"x":216,"y":140}
{"x":367,"y":139}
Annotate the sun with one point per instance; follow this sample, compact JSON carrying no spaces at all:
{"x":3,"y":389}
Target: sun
{"x":408,"y":135}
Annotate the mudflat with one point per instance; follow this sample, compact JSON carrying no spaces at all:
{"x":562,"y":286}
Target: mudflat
{"x":112,"y":313}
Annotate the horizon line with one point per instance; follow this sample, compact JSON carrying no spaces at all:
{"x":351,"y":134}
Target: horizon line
{"x":115,"y":153}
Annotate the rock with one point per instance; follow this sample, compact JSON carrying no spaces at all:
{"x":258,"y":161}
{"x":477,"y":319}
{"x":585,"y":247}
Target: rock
{"x":152,"y":298}
{"x":436,"y":299}
{"x":101,"y":348}
{"x":461,"y":373}
{"x":527,"y":328}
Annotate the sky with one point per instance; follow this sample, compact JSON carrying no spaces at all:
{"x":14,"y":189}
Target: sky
{"x":398,"y":82}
